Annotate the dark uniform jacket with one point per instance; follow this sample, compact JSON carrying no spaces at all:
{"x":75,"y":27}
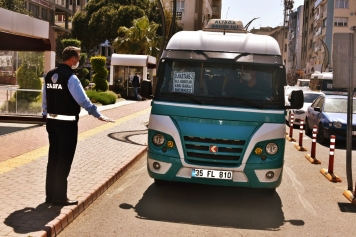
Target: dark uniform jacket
{"x":59,"y":99}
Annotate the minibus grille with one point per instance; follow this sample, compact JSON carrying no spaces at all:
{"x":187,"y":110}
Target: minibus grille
{"x":198,"y":150}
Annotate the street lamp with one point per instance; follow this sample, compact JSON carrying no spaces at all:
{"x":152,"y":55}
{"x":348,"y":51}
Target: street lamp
{"x":326,"y":55}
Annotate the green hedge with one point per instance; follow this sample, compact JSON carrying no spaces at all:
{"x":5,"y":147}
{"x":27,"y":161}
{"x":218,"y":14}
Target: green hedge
{"x":104,"y":98}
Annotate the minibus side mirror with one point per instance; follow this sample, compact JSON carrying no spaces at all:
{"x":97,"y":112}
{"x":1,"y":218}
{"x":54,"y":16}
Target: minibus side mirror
{"x":296,"y":99}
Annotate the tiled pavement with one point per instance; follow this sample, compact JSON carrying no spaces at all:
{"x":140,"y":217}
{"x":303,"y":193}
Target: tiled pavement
{"x":104,"y":152}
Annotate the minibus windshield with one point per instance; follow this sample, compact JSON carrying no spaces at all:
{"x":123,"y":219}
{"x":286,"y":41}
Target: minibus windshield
{"x":225,"y":84}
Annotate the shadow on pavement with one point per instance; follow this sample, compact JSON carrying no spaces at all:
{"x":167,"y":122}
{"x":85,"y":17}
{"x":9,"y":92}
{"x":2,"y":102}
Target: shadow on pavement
{"x":128,"y":136}
{"x":232,"y":207}
{"x":31,"y":219}
{"x":6,"y":128}
{"x":347,"y":207}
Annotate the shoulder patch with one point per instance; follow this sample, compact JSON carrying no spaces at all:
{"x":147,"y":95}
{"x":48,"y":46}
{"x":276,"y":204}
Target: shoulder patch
{"x":54,"y":78}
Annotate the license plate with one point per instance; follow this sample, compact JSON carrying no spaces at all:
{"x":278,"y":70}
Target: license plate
{"x":211,"y":174}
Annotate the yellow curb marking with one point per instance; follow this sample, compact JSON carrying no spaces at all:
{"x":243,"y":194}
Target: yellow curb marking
{"x":23,"y":159}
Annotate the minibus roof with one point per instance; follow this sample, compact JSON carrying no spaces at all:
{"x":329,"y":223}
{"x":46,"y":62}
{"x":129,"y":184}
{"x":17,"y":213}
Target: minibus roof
{"x":224,"y":42}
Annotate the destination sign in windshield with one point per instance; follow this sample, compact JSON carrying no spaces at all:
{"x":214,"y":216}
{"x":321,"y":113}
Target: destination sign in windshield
{"x":183,"y":82}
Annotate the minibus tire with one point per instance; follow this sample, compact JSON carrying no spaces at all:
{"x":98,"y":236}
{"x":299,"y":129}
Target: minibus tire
{"x":270,"y":191}
{"x":160,"y":182}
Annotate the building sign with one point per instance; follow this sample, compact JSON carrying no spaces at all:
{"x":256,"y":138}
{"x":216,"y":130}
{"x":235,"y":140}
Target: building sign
{"x":224,"y":24}
{"x":183,"y":82}
{"x":44,"y":3}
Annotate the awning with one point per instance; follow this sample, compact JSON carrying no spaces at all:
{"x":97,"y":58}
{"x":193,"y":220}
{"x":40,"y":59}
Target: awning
{"x":19,"y":32}
{"x":133,"y":60}
{"x":23,"y":43}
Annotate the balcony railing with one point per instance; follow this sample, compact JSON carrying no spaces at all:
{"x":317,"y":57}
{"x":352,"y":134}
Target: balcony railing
{"x":318,"y":32}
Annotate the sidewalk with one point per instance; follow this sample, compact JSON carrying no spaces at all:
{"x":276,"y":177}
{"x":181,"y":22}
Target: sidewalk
{"x":104,"y":152}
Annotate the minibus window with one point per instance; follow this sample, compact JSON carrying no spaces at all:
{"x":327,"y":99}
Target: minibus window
{"x":214,"y":83}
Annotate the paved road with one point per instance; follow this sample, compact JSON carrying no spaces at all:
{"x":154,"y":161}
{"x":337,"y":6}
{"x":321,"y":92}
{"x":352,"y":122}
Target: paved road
{"x":306,"y":204}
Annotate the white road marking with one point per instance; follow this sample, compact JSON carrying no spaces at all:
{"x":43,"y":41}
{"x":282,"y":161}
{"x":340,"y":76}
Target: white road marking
{"x":300,"y":189}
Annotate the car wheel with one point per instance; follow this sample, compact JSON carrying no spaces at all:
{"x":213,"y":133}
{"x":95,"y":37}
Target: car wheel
{"x":320,"y":137}
{"x":308,"y":131}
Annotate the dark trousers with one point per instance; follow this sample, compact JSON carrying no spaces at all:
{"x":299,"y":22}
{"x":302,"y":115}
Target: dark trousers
{"x":63,"y":137}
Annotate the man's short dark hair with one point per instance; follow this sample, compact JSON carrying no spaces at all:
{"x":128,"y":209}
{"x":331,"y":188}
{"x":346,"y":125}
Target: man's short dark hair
{"x":69,"y":52}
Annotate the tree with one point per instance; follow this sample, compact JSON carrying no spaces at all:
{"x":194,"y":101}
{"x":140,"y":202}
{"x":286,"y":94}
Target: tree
{"x":100,"y":19}
{"x":140,"y":39}
{"x":15,"y":5}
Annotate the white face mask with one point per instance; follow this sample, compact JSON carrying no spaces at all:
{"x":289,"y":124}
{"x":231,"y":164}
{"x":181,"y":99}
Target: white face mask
{"x":75,"y":66}
{"x":246,"y":76}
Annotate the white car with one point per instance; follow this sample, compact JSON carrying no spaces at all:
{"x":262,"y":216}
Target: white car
{"x":303,"y":82}
{"x":299,"y":114}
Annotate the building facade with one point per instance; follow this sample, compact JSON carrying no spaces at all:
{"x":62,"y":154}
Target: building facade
{"x":295,"y":30}
{"x":194,"y":15}
{"x":324,"y":18}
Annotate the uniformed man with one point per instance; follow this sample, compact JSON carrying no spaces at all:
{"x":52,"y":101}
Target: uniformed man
{"x":62,"y":97}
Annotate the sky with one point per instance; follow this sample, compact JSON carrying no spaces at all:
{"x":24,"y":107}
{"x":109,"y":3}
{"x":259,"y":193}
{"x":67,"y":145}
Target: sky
{"x":270,"y":12}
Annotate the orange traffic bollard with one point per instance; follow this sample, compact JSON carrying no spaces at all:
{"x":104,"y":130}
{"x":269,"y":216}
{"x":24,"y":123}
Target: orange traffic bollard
{"x":329,"y":173}
{"x":351,"y":196}
{"x":311,"y":157}
{"x":291,"y":124}
{"x":299,"y":146}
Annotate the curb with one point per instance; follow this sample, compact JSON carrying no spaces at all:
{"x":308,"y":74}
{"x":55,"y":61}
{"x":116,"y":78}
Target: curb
{"x":69,"y":213}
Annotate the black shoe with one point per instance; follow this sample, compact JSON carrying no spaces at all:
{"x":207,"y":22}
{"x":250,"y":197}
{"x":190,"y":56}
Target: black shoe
{"x":65,"y":203}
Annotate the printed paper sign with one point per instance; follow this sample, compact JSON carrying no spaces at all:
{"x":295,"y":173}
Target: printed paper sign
{"x":183,"y":82}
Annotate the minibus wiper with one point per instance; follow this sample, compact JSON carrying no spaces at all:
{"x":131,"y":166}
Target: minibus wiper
{"x":192,"y":98}
{"x":248,"y":102}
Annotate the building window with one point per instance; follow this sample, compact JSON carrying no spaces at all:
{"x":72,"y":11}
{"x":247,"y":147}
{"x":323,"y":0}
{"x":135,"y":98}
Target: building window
{"x":44,"y":14}
{"x":50,"y":16}
{"x":285,"y":35}
{"x":340,"y":21}
{"x":34,"y":9}
{"x":341,"y":3}
{"x":180,"y":6}
{"x":285,"y":48}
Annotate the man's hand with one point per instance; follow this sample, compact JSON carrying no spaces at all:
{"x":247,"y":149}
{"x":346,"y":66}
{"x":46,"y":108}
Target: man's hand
{"x":106,"y":119}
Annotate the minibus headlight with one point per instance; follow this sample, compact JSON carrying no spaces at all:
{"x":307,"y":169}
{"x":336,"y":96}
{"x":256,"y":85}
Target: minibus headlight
{"x":271,"y":148}
{"x":158,"y":139}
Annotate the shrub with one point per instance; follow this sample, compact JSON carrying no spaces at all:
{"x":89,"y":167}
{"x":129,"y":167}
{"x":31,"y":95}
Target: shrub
{"x":27,"y":78}
{"x":71,"y":42}
{"x":104,"y":98}
{"x":99,"y":78}
{"x":119,"y":87}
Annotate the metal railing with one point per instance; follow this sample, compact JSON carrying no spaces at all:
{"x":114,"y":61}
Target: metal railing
{"x":15,"y":101}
